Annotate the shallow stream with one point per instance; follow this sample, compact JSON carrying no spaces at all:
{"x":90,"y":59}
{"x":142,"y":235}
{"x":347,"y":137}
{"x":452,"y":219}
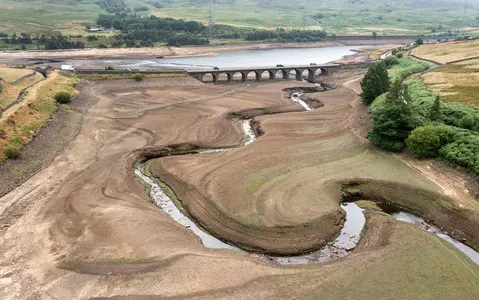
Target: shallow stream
{"x":345,"y":242}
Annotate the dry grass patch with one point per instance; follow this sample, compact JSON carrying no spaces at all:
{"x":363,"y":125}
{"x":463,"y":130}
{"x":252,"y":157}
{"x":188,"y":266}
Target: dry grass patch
{"x":29,"y":81}
{"x":21,"y":126}
{"x":8,"y":95}
{"x":11,"y":92}
{"x":12,"y":74}
{"x":455,"y":83}
{"x":448,"y":52}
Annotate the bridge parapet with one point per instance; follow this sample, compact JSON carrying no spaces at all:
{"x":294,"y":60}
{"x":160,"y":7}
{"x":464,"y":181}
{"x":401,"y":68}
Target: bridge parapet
{"x":272,"y":71}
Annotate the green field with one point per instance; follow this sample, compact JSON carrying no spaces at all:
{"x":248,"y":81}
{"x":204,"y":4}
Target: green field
{"x":45,"y":16}
{"x":339,"y":17}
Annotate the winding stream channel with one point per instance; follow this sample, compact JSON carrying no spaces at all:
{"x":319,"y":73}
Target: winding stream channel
{"x":346,"y":241}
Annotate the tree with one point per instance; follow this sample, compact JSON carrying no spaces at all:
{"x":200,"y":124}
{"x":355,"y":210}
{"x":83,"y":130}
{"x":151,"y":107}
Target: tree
{"x":13,"y":39}
{"x":392,"y":120}
{"x":426,"y":141}
{"x":419,"y":42}
{"x":375,"y":82}
{"x":375,"y":35}
{"x":435,"y":110}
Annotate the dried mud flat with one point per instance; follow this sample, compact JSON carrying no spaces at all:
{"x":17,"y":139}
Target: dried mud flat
{"x":92,"y":231}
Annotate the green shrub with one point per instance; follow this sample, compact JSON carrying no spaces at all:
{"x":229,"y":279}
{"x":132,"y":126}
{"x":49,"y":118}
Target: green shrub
{"x":464,"y":151}
{"x":139,"y":77}
{"x":12,"y":152}
{"x":423,"y":102}
{"x":467,"y":121}
{"x":391,"y":61}
{"x":426,"y":141}
{"x":404,"y":68}
{"x":63,"y":97}
{"x":1,"y":87}
{"x":384,"y":142}
{"x":399,"y":55}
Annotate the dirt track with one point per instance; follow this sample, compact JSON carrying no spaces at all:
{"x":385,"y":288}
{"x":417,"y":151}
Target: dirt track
{"x":92,"y":230}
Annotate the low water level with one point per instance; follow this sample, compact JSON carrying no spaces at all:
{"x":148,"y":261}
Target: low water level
{"x":340,"y":247}
{"x":346,"y":240}
{"x":247,"y":58}
{"x":410,"y":218}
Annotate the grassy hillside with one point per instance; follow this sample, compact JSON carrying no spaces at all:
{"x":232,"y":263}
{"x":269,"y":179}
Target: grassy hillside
{"x":338,"y":16}
{"x":348,"y":16}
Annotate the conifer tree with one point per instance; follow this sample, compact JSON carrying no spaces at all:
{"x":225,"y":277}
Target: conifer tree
{"x":392,"y":120}
{"x":375,"y":82}
{"x":435,"y":111}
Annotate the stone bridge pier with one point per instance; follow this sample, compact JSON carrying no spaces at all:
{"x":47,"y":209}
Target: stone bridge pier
{"x":297,"y":72}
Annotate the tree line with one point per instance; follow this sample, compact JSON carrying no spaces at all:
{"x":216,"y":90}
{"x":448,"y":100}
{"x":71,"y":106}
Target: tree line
{"x":286,"y":35}
{"x":49,"y":43}
{"x":113,"y":6}
{"x":144,"y":31}
{"x":405,"y":114}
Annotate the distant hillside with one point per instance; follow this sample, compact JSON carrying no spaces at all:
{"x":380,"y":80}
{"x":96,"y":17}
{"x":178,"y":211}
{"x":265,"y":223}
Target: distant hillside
{"x":335,"y":16}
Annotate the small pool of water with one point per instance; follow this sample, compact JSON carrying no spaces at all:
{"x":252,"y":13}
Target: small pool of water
{"x":410,"y":218}
{"x":346,"y":241}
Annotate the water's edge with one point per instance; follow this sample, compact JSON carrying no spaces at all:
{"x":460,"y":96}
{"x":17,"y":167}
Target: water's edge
{"x":421,"y":223}
{"x":346,"y":241}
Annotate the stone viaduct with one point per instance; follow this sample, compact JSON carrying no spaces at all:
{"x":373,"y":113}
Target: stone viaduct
{"x":284,"y":71}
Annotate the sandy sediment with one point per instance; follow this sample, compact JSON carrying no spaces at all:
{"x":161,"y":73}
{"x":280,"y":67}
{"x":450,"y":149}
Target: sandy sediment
{"x":92,"y":231}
